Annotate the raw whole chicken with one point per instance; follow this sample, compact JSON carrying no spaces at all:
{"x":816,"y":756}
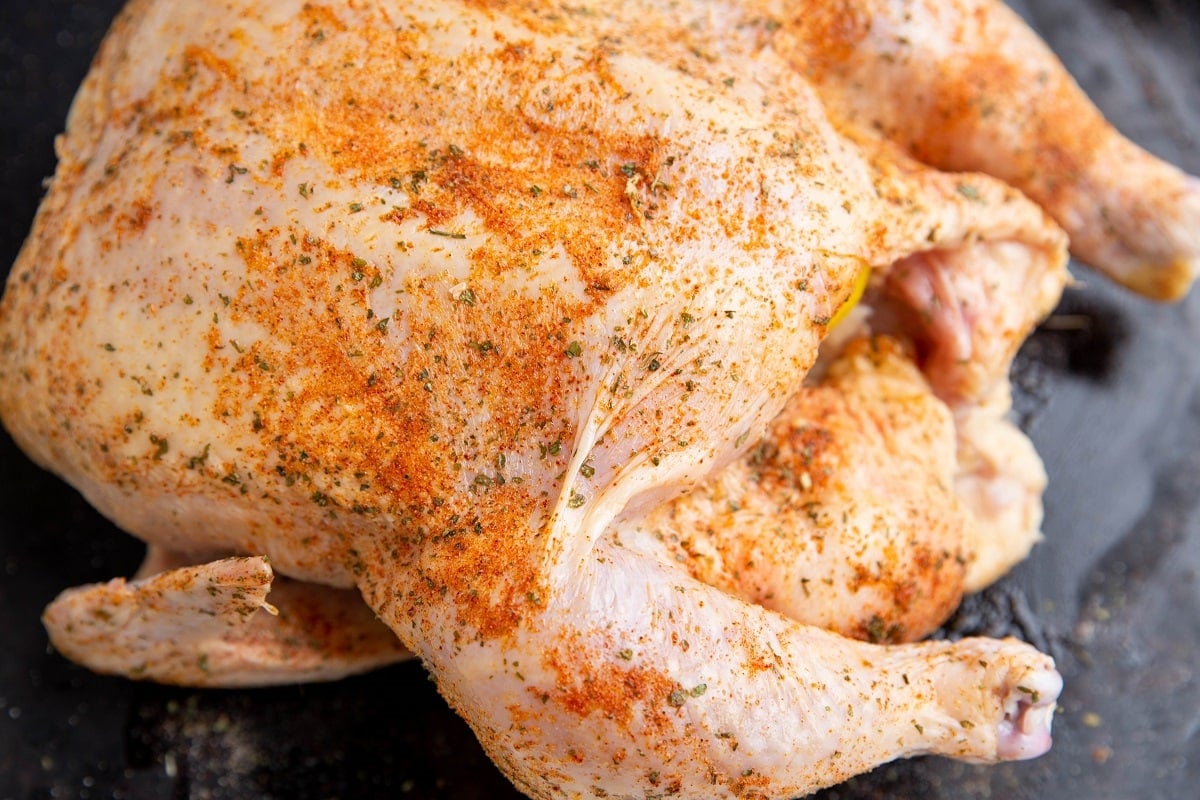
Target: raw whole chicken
{"x":533,"y":326}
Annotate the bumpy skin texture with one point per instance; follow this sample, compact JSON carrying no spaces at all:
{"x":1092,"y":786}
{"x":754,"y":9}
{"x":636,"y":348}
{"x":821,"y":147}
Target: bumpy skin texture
{"x":964,"y":85}
{"x":211,"y":625}
{"x":845,"y":516}
{"x":441,"y":300}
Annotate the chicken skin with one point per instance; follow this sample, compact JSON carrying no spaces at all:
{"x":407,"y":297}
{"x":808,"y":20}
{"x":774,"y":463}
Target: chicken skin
{"x":449,"y":304}
{"x":965,"y":85}
{"x":845,"y":517}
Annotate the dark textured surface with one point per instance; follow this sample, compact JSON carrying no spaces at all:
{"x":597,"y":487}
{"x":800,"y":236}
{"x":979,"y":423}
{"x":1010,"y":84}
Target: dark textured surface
{"x":1109,"y":390}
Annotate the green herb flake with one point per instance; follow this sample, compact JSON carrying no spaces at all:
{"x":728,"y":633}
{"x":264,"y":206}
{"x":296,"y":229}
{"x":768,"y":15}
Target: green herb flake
{"x":161,"y":446}
{"x":195,"y":462}
{"x":970,"y":192}
{"x":574,"y":349}
{"x":447,"y":234}
{"x":1033,"y":693}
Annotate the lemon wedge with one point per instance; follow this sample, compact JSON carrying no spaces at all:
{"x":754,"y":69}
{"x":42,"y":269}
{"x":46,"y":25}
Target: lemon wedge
{"x":856,"y":293}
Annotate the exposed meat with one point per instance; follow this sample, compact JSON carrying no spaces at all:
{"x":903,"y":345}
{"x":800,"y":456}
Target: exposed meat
{"x":443,"y":302}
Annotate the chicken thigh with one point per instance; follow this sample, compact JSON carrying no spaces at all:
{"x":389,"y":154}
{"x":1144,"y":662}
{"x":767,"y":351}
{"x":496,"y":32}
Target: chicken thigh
{"x":845,"y":516}
{"x":442,"y":302}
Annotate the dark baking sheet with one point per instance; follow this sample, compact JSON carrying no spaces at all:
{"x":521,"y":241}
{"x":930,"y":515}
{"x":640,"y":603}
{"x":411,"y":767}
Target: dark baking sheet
{"x":1110,"y":392}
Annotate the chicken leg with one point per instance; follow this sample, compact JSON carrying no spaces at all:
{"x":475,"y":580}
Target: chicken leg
{"x":965,"y":85}
{"x":672,"y":686}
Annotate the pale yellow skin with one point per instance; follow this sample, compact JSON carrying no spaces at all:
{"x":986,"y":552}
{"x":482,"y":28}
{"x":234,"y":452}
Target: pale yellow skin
{"x":441,"y":302}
